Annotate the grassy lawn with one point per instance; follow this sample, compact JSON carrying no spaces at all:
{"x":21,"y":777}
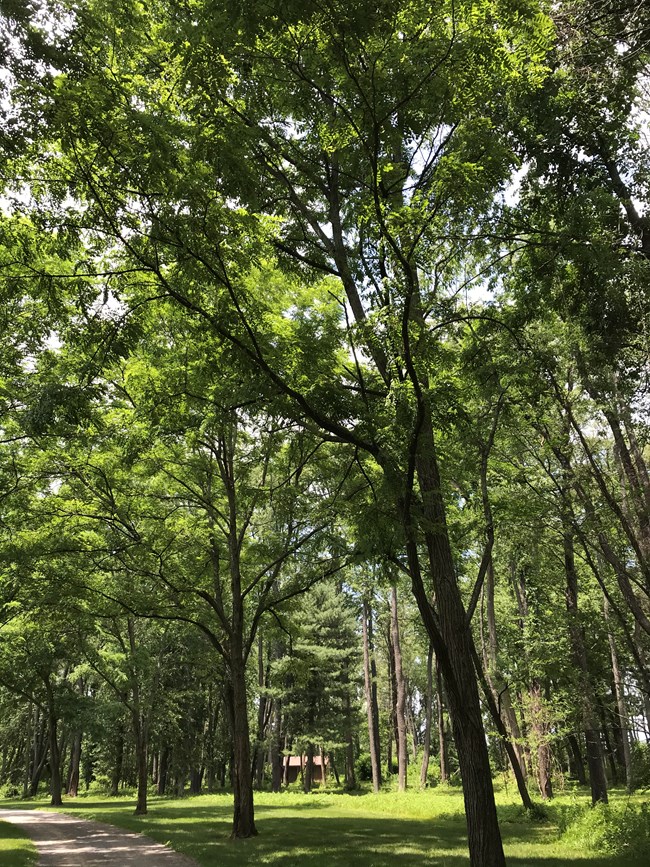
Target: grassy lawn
{"x":414,"y":829}
{"x":16,"y":850}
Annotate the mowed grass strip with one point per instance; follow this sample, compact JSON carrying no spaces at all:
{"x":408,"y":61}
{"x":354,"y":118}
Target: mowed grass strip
{"x":412,"y":829}
{"x":16,"y":849}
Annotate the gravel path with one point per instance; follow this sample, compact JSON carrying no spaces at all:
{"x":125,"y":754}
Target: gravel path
{"x":65,"y":841}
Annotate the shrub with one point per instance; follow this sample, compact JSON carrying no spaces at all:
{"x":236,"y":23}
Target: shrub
{"x":614,"y":830}
{"x":363,"y":767}
{"x":641,"y":765}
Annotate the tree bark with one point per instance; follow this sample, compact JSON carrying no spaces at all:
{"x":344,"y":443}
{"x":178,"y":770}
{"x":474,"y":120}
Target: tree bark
{"x":578,"y":763}
{"x":621,"y":704}
{"x":118,"y":761}
{"x":276,"y":746}
{"x":243,"y":814}
{"x":453,"y":645}
{"x":75,"y":760}
{"x":309,"y":769}
{"x":163,"y":770}
{"x":442,"y":731}
{"x":53,"y":738}
{"x":371,"y":694}
{"x":597,"y":779}
{"x":428,"y":718}
{"x":400,"y":685}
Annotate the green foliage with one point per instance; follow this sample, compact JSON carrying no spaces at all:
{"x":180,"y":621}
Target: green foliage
{"x":620,"y":829}
{"x":641,"y":764}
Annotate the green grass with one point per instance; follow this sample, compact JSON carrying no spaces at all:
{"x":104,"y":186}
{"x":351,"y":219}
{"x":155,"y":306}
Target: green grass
{"x":401,"y":830}
{"x":16,"y":850}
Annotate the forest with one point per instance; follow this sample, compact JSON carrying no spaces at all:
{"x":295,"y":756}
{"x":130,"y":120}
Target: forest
{"x":324,"y":403}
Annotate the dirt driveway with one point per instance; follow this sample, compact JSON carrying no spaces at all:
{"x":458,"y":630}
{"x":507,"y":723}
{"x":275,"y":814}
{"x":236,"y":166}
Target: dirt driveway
{"x":64,"y":841}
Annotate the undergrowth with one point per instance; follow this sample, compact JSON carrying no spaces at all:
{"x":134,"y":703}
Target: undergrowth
{"x":615,"y":829}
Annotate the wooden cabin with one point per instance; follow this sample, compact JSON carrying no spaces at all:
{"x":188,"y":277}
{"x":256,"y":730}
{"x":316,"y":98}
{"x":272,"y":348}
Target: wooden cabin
{"x":294,"y":767}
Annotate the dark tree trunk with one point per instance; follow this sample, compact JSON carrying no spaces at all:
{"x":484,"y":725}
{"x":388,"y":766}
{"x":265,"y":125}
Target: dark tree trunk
{"x":595,"y":763}
{"x":75,"y":760}
{"x":428,"y":714}
{"x":503,"y":732}
{"x":163,"y":770}
{"x":308,"y":778}
{"x":39,"y":751}
{"x":116,"y":774}
{"x":609,"y":751}
{"x":371,"y":695}
{"x":244,"y":814}
{"x":196,"y":780}
{"x":621,"y":706}
{"x":454,"y":645}
{"x":442,"y":731}
{"x":55,"y":755}
{"x":400,"y":688}
{"x":578,"y":763}
{"x":142,"y":764}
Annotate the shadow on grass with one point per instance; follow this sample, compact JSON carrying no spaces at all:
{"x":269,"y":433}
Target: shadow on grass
{"x":307,"y":834}
{"x":298,"y":839}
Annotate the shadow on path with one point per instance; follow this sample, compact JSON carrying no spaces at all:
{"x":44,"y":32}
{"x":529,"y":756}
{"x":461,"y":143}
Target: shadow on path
{"x":64,"y":841}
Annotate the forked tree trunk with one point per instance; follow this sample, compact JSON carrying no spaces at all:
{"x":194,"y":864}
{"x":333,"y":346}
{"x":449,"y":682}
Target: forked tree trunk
{"x":454,"y":646}
{"x":503,"y":732}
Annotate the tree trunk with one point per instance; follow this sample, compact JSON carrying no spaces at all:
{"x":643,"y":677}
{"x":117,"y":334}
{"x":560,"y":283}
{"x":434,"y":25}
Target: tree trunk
{"x":142,"y":763}
{"x":276,"y":747}
{"x":453,"y":646}
{"x":55,"y":756}
{"x":163,"y":770}
{"x":244,"y":815}
{"x":503,"y":732}
{"x":309,"y":769}
{"x":371,"y":695}
{"x":442,"y":732}
{"x":75,"y":759}
{"x":621,"y":705}
{"x":539,"y":727}
{"x":400,"y":685}
{"x":116,"y":774}
{"x":428,"y":714}
{"x":350,"y":775}
{"x":262,"y":681}
{"x":323,"y":769}
{"x":578,"y":764}
{"x":595,"y":763}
